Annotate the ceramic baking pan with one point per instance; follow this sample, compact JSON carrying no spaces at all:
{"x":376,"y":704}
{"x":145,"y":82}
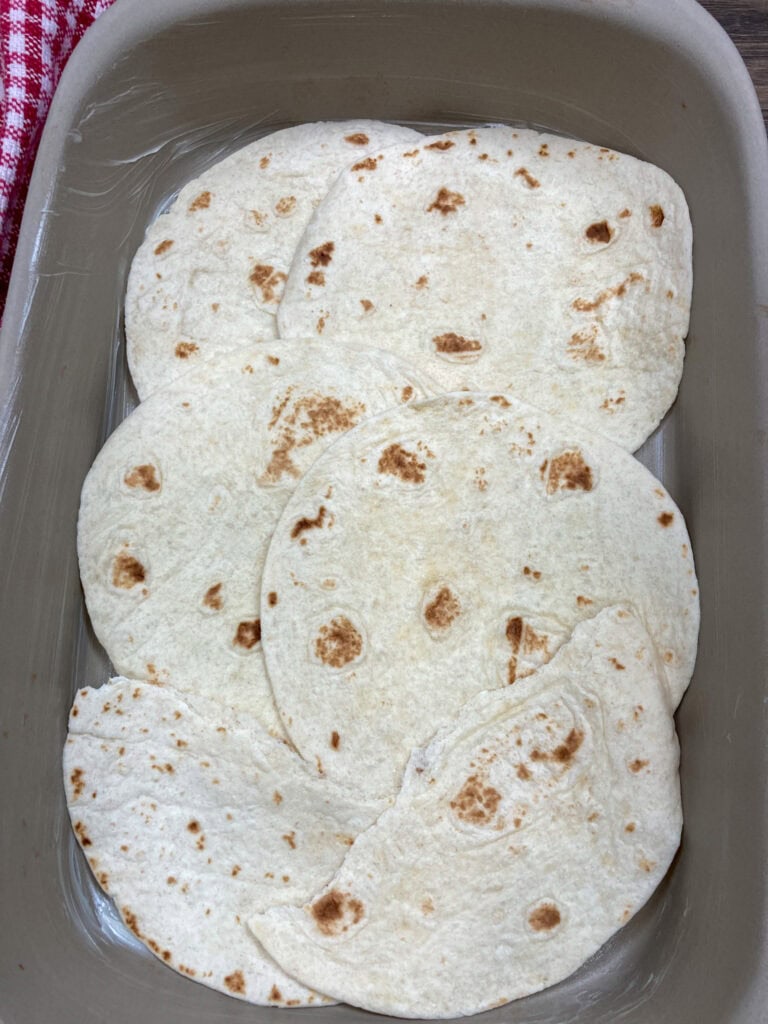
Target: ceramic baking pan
{"x":155,"y":93}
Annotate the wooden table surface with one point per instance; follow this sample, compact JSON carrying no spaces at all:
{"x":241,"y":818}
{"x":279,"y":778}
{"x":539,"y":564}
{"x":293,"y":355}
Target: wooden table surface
{"x":746,"y":22}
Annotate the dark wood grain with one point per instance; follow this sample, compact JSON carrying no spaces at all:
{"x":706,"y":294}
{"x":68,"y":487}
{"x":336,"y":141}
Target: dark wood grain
{"x":746,"y":22}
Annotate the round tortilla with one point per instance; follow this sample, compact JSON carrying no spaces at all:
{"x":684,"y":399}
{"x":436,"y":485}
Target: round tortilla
{"x":454,"y":546}
{"x":503,"y":259}
{"x":526,"y":834}
{"x":191,"y":816}
{"x":210,"y":273}
{"x":178,"y":508}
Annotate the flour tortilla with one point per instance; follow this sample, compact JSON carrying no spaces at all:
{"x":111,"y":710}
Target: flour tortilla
{"x":190,"y":815}
{"x":179,"y":506}
{"x":525,"y":835}
{"x":461,"y":541}
{"x":210,"y":272}
{"x":506,"y":259}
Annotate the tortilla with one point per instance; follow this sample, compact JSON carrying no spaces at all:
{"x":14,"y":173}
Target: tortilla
{"x":190,"y":815}
{"x":526,"y":834}
{"x":454,"y":546}
{"x":503,"y":259}
{"x":179,"y":506}
{"x":210,"y":273}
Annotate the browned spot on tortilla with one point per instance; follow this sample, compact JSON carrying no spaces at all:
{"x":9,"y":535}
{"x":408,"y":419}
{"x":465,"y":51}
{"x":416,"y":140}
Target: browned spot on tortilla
{"x":127,"y":571}
{"x":569,"y":472}
{"x":335,"y":912}
{"x":526,"y":175}
{"x":599,"y":232}
{"x":637,"y":765}
{"x":454,"y":343}
{"x":500,"y":400}
{"x":201,"y":202}
{"x":366,"y":304}
{"x":397,"y":461}
{"x":377,"y":218}
{"x":523,"y":773}
{"x":322,"y":255}
{"x":170,"y":880}
{"x":185,"y":349}
{"x":446,"y":202}
{"x":582,"y":601}
{"x":248,"y":633}
{"x":275,"y":995}
{"x":163,"y":247}
{"x":629,"y":827}
{"x":338,"y":642}
{"x":443,"y":609}
{"x":77,"y":778}
{"x":290,"y":838}
{"x":544,"y":917}
{"x":615,"y":291}
{"x":617,"y":664}
{"x":316,"y":277}
{"x":266,"y":279}
{"x":132,"y":921}
{"x":666,"y":518}
{"x":235,"y":982}
{"x":213,"y":597}
{"x":422,"y":282}
{"x":75,"y":711}
{"x":564,"y":752}
{"x":277,"y":798}
{"x":193,"y":826}
{"x":657,"y":215}
{"x":611,"y":404}
{"x":412,"y":152}
{"x":273,"y":360}
{"x":476,"y":803}
{"x":357,"y":139}
{"x":335,"y":740}
{"x":153,"y":676}
{"x":285,"y":205}
{"x":308,"y":524}
{"x":189,"y":971}
{"x":582,"y":345}
{"x":272,"y":598}
{"x":427,"y":906}
{"x":441,"y":144}
{"x":320,"y":325}
{"x":544,"y":149}
{"x":369,"y":164}
{"x":531,"y":573}
{"x":522,"y":638}
{"x":143,"y":476}
{"x":625,"y":213}
{"x":406,"y":394}
{"x":311,"y":416}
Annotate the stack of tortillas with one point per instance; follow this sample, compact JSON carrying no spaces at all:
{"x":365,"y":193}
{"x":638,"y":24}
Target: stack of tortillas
{"x":400,"y":623}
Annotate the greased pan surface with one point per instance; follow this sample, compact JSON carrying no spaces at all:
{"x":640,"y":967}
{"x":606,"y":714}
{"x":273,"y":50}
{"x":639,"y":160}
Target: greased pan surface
{"x":154,"y":94}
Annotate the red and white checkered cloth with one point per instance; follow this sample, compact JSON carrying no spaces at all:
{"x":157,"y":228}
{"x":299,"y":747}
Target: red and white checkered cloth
{"x":36,"y":39}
